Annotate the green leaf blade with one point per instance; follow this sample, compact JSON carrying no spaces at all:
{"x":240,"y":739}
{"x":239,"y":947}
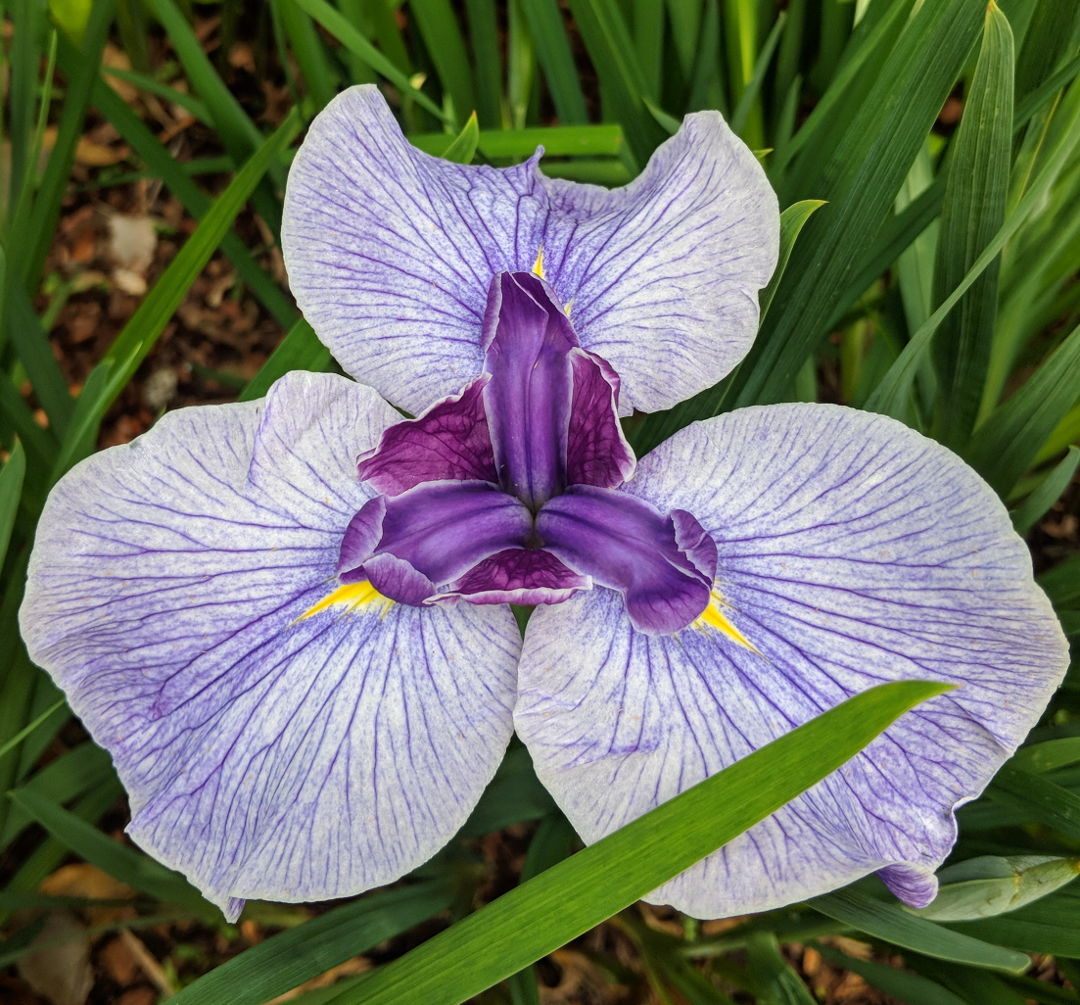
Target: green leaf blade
{"x":886,"y":921}
{"x":11,"y":485}
{"x":860,"y":179}
{"x":976,"y":190}
{"x":599,"y":881}
{"x":286,"y":960}
{"x":1007,"y":442}
{"x":146,"y":324}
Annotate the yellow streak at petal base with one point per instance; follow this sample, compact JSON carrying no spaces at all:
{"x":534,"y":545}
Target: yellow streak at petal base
{"x":353,"y":597}
{"x":538,"y":265}
{"x":714,"y":617}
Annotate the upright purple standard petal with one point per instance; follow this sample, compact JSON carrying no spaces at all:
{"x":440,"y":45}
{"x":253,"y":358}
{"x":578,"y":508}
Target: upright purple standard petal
{"x":279,"y":738}
{"x":391,"y":252}
{"x":627,"y":545}
{"x":852,"y":551}
{"x":527,"y":342}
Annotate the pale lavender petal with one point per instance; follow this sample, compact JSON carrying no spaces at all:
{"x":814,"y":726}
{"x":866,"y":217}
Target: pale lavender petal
{"x":442,"y":529}
{"x":391,"y":253}
{"x":596,"y":450}
{"x":449,"y":441}
{"x":527,"y":343}
{"x":627,"y":545}
{"x":516,"y":576}
{"x":266,"y":754}
{"x":662,"y":276}
{"x":852,"y":551}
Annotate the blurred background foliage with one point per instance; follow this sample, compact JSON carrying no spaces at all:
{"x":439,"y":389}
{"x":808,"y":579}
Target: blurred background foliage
{"x":926,"y":156}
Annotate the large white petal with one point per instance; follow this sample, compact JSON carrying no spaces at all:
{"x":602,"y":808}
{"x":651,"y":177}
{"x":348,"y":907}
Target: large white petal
{"x":266,"y":754}
{"x":391,"y":253}
{"x":851,"y":551}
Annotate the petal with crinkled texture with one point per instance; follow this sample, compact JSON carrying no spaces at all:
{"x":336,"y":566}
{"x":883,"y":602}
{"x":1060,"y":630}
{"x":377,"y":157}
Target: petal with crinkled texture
{"x":852,"y":551}
{"x":391,"y":253}
{"x":267,"y":754}
{"x":516,"y":576}
{"x":449,"y":441}
{"x":597,"y":452}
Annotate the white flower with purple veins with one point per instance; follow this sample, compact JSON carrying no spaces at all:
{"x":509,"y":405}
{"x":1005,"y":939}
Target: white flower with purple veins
{"x":307,"y":678}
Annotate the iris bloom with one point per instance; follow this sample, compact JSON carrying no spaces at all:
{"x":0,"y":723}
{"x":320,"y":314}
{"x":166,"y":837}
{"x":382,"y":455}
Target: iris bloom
{"x":306,"y":678}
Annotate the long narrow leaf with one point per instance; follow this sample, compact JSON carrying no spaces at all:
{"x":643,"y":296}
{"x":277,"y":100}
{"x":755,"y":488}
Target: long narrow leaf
{"x":286,"y":960}
{"x":556,"y":59}
{"x":299,"y":350}
{"x":860,"y":180}
{"x":487,"y":61}
{"x":623,"y":83}
{"x":753,"y":88}
{"x":566,"y":900}
{"x":792,"y":221}
{"x":31,"y":344}
{"x":160,"y":162}
{"x":439,"y":28}
{"x":974,"y":210}
{"x":15,"y":413}
{"x":238,"y":133}
{"x":11,"y":484}
{"x":1046,"y":801}
{"x":892,"y":980}
{"x":1005,"y":445}
{"x":117,"y":860}
{"x":886,"y":921}
{"x":773,"y":979}
{"x":46,"y":205}
{"x":557,"y":141}
{"x":1048,"y":491}
{"x":333,"y":21}
{"x":887,"y":396}
{"x":306,"y":45}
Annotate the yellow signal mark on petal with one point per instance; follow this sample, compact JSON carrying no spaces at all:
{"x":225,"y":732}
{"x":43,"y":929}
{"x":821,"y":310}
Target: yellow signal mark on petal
{"x":538,"y":265}
{"x":714,"y":617}
{"x":353,"y":597}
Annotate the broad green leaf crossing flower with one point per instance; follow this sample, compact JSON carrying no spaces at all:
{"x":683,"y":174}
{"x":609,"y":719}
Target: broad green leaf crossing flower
{"x":288,"y":620}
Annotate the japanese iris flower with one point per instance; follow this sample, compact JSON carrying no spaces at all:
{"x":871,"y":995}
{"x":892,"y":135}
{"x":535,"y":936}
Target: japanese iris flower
{"x":307,"y":672}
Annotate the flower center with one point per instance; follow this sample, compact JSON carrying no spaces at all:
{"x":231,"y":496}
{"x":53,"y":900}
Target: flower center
{"x":509,"y":490}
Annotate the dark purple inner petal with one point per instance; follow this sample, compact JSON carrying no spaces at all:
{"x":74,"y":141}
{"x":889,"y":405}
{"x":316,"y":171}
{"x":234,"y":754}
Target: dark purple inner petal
{"x":449,"y":441}
{"x":596,"y":450}
{"x":444,"y":528}
{"x":518,"y":576}
{"x":528,"y":339}
{"x":361,"y":539}
{"x":694,"y":542}
{"x":627,"y":545}
{"x":398,"y":579}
